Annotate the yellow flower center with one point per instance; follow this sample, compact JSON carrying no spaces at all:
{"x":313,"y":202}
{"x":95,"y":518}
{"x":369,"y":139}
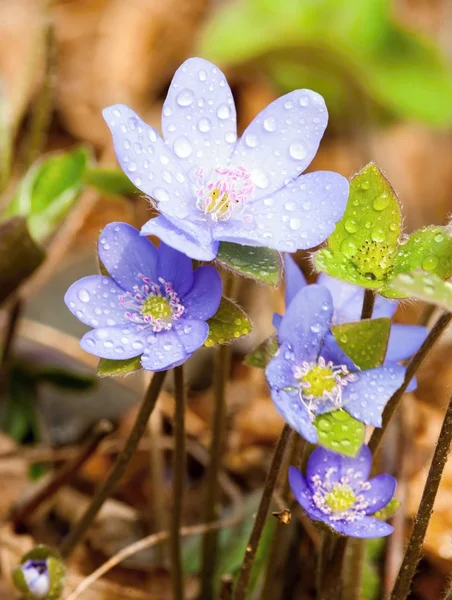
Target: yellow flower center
{"x":340,"y":498}
{"x":156,"y":307}
{"x":319,"y":380}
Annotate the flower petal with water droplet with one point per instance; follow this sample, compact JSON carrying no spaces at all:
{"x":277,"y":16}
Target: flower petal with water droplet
{"x":198,"y":113}
{"x":147,"y":161}
{"x":283,"y":139}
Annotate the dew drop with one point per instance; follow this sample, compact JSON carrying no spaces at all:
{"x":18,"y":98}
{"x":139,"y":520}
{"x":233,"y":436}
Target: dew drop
{"x":202,"y":74}
{"x":182,"y":147}
{"x":161,"y":195}
{"x":439,"y":237}
{"x":381,"y":202}
{"x":351,"y":225}
{"x":167,"y":111}
{"x":108,"y":344}
{"x":365,"y":185}
{"x":251,"y":140}
{"x":83,"y":295}
{"x":288,"y":105}
{"x":223,"y":112}
{"x":295,"y":224}
{"x":290,"y":206}
{"x":204,"y":125}
{"x":269,"y":124}
{"x":185,"y":97}
{"x":430,"y":262}
{"x":378,"y":234}
{"x":298,"y":150}
{"x":230,"y":137}
{"x":348,"y":248}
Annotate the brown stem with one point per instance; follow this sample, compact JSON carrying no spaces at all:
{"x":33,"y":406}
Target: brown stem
{"x":368,"y":304}
{"x":253,"y":542}
{"x":13,"y":317}
{"x":119,"y":468}
{"x":414,"y":364}
{"x":23,"y":511}
{"x":414,"y":548}
{"x":331,"y":582}
{"x":226,"y":587}
{"x":179,"y":462}
{"x":353,"y":569}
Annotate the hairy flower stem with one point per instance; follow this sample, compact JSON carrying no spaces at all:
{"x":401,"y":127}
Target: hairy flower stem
{"x":179,"y":462}
{"x":368,"y":304}
{"x":212,"y":494}
{"x":414,"y":548}
{"x":331,"y":582}
{"x":118,"y":470}
{"x":414,"y":364}
{"x":448,"y":595}
{"x":241,"y":587}
{"x":353,"y":569}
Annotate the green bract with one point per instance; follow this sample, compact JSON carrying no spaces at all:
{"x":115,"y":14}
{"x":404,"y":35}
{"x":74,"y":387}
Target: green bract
{"x":109,"y":368}
{"x":261,"y":264}
{"x":425,"y":286}
{"x":112,"y":182}
{"x":228,"y":324}
{"x":48,"y":191}
{"x":56,"y":572}
{"x":262,"y":355}
{"x":340,"y":432}
{"x":365,"y":248}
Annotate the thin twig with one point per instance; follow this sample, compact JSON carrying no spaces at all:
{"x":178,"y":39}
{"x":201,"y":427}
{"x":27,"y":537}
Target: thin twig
{"x":23,"y":511}
{"x":212,"y":495}
{"x":179,"y":464}
{"x":368,"y":303}
{"x":118,"y":470}
{"x":143,"y":544}
{"x":414,"y":364}
{"x":261,"y":516}
{"x":414,"y":548}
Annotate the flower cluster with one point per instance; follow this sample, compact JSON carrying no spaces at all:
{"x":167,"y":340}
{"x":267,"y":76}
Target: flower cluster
{"x":210,"y":187}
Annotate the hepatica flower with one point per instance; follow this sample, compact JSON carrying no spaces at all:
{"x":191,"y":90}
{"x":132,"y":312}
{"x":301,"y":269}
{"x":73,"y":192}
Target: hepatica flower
{"x":209,"y":187}
{"x":404,"y":340}
{"x":337,"y":491}
{"x":153,"y":304}
{"x":310,"y":374}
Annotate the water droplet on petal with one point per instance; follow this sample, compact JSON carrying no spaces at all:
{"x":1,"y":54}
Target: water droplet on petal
{"x":83,"y":295}
{"x":430,"y":262}
{"x":223,"y":111}
{"x":167,"y":111}
{"x":381,"y":202}
{"x":378,"y":234}
{"x":270,"y":124}
{"x":298,"y":150}
{"x":204,"y":125}
{"x":304,"y":101}
{"x":260,"y":178}
{"x":182,"y":147}
{"x":295,"y":224}
{"x":439,"y":237}
{"x":202,"y":74}
{"x":251,"y":140}
{"x":351,"y":225}
{"x":185,"y":97}
{"x":160,"y":195}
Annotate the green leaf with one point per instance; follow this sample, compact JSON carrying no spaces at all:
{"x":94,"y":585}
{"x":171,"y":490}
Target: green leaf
{"x":340,"y":432}
{"x":388,"y":511}
{"x":423,"y":286}
{"x":261,"y":264}
{"x":111,"y":368}
{"x":229,"y":323}
{"x":362,"y":247}
{"x":262,"y":355}
{"x":49,"y":189}
{"x":112,"y":182}
{"x":365,"y":342}
{"x":19,"y":255}
{"x":429,"y":249}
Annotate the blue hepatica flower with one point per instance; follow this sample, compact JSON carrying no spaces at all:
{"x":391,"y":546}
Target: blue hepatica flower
{"x":336,"y":490}
{"x":310,"y":374}
{"x":153,"y":304}
{"x":404,"y":340}
{"x":209,"y":187}
{"x":37,"y":577}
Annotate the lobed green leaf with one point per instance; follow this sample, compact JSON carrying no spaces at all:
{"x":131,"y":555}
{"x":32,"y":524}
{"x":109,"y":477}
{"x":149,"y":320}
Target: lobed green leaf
{"x":365,"y":342}
{"x":340,"y":432}
{"x":424,"y":286}
{"x":228,"y":324}
{"x":261,"y":264}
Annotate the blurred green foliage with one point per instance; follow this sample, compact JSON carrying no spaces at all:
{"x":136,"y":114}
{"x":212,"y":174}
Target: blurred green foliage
{"x":352,"y":52}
